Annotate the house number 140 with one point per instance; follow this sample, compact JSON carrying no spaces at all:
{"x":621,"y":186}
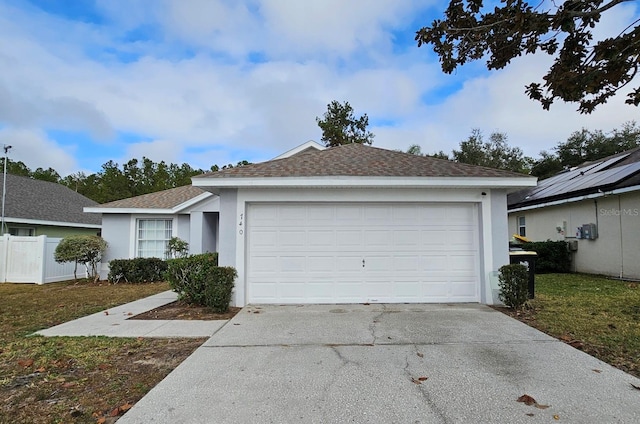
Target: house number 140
{"x":240,"y":223}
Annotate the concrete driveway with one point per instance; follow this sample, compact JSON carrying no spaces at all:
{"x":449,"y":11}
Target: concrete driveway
{"x":386,"y":364}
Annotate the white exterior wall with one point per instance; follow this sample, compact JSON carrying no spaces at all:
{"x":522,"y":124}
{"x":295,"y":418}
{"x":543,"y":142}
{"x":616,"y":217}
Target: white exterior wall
{"x":493,"y":241}
{"x":613,"y":253}
{"x":116,"y":230}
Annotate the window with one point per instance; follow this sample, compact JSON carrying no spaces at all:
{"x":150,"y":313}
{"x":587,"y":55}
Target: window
{"x":522,"y":228}
{"x":153,"y":237}
{"x":22,"y":231}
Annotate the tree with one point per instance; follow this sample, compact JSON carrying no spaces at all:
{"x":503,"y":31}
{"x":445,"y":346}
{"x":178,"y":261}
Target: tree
{"x":584,"y":71}
{"x":494,"y":153}
{"x":339,"y":126}
{"x":547,"y":166}
{"x":81,"y":249}
{"x":48,"y":174}
{"x":584,"y":145}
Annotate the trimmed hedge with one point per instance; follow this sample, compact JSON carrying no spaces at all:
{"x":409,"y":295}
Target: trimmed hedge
{"x":553,"y":256}
{"x":513,"y":282}
{"x":198,"y":279}
{"x":137,"y":270}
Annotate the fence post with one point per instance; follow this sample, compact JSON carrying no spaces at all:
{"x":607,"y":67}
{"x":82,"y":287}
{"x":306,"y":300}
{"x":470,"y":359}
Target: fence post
{"x":42,"y":250}
{"x":4,"y":252}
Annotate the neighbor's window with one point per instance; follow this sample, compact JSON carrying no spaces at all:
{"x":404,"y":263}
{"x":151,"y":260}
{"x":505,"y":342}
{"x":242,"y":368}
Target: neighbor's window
{"x":22,"y":231}
{"x":522,"y":228}
{"x":153,"y":237}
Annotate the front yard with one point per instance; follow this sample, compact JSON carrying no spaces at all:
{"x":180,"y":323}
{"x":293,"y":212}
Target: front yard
{"x":97,"y":379}
{"x":75,"y":379}
{"x":597,"y":315}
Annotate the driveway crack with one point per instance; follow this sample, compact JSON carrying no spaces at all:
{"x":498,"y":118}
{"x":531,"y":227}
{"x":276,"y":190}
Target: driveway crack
{"x":424,"y":392}
{"x":376,"y":319}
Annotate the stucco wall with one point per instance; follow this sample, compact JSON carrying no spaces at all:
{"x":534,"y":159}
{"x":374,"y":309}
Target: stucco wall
{"x":613,"y":253}
{"x":116,"y":230}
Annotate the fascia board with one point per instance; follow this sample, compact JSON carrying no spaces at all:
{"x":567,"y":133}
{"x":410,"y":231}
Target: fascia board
{"x":395,"y":182}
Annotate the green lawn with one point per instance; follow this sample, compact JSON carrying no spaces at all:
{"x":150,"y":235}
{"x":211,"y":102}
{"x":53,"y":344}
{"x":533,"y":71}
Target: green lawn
{"x":597,"y":314}
{"x":75,"y":379}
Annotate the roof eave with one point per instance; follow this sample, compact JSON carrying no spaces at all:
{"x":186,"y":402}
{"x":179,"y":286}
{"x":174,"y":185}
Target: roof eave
{"x":131,"y":210}
{"x":214,"y":185}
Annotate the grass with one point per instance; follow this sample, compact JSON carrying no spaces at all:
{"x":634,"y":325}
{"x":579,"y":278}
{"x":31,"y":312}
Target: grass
{"x":598,"y":315}
{"x":75,"y":379}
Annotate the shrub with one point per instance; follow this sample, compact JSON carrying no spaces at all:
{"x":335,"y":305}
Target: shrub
{"x":513,"y":282}
{"x":81,"y":249}
{"x":553,"y":256}
{"x":198,"y":279}
{"x":137,"y":270}
{"x":188,"y":276}
{"x":177,"y":248}
{"x":219,"y":288}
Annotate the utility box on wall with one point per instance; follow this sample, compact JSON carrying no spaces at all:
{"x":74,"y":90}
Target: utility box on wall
{"x":589,"y":231}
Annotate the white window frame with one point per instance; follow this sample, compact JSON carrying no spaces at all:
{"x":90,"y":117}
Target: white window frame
{"x":32,"y":231}
{"x":521,"y":223}
{"x":135,"y":245}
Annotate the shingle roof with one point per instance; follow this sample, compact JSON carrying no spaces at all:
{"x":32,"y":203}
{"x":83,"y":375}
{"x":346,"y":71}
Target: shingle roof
{"x":27,"y":198}
{"x":166,"y":199}
{"x":359,"y":160}
{"x":612,"y":172}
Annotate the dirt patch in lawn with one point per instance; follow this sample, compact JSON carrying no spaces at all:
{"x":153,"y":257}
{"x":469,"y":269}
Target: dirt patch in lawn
{"x":180,"y":310}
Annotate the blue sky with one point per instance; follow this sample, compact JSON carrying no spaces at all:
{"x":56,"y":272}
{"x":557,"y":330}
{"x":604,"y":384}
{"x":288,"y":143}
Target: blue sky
{"x":218,"y":81}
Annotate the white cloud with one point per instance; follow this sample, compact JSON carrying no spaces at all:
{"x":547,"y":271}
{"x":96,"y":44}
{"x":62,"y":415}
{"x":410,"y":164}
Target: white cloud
{"x":36,"y":150}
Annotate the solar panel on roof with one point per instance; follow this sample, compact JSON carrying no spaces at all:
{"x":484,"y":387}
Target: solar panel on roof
{"x":606,"y":164}
{"x":627,"y":171}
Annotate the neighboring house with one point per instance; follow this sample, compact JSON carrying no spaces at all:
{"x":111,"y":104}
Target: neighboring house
{"x":35,"y":208}
{"x":354,"y":224}
{"x":142,"y":226}
{"x":596,"y":207}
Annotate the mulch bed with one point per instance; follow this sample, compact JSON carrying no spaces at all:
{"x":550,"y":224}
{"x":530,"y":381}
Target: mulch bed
{"x":180,"y":310}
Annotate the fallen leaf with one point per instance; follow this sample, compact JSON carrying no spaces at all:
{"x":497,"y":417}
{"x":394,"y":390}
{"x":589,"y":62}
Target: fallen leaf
{"x":235,"y":323}
{"x":421,"y":355}
{"x":101,"y":420}
{"x":598,"y":371}
{"x":103,"y":366}
{"x":126,"y":407}
{"x":423,"y":378}
{"x":530,"y":414}
{"x":129,"y":313}
{"x":566,"y":338}
{"x":114,"y":412}
{"x":556,"y":417}
{"x":25,"y":363}
{"x":527,"y":400}
{"x":68,"y":385}
{"x":41,"y":369}
{"x":60,"y":306}
{"x":413,"y":380}
{"x":106,"y":312}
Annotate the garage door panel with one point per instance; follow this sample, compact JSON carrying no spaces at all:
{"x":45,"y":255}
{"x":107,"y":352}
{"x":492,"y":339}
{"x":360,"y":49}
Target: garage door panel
{"x":313,"y":253}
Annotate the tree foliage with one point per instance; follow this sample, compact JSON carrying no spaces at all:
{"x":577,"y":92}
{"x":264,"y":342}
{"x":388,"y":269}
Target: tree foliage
{"x":494,"y":153}
{"x":81,"y":249}
{"x":340,"y":126}
{"x":584,"y":71}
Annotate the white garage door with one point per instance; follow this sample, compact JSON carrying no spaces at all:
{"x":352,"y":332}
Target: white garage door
{"x":362,"y":252}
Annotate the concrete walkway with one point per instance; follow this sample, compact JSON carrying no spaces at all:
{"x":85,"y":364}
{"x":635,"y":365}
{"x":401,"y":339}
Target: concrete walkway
{"x":386,"y":364}
{"x":115,"y":322}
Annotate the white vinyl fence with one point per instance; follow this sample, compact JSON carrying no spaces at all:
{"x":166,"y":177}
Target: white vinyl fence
{"x":30,"y":260}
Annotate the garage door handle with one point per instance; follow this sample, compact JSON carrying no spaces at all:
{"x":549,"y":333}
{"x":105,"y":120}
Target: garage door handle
{"x":363,"y":263}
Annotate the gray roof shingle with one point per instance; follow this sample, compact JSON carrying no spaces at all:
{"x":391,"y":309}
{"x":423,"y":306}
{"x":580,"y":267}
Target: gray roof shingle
{"x":166,"y":199}
{"x":359,"y":160}
{"x":27,"y":198}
